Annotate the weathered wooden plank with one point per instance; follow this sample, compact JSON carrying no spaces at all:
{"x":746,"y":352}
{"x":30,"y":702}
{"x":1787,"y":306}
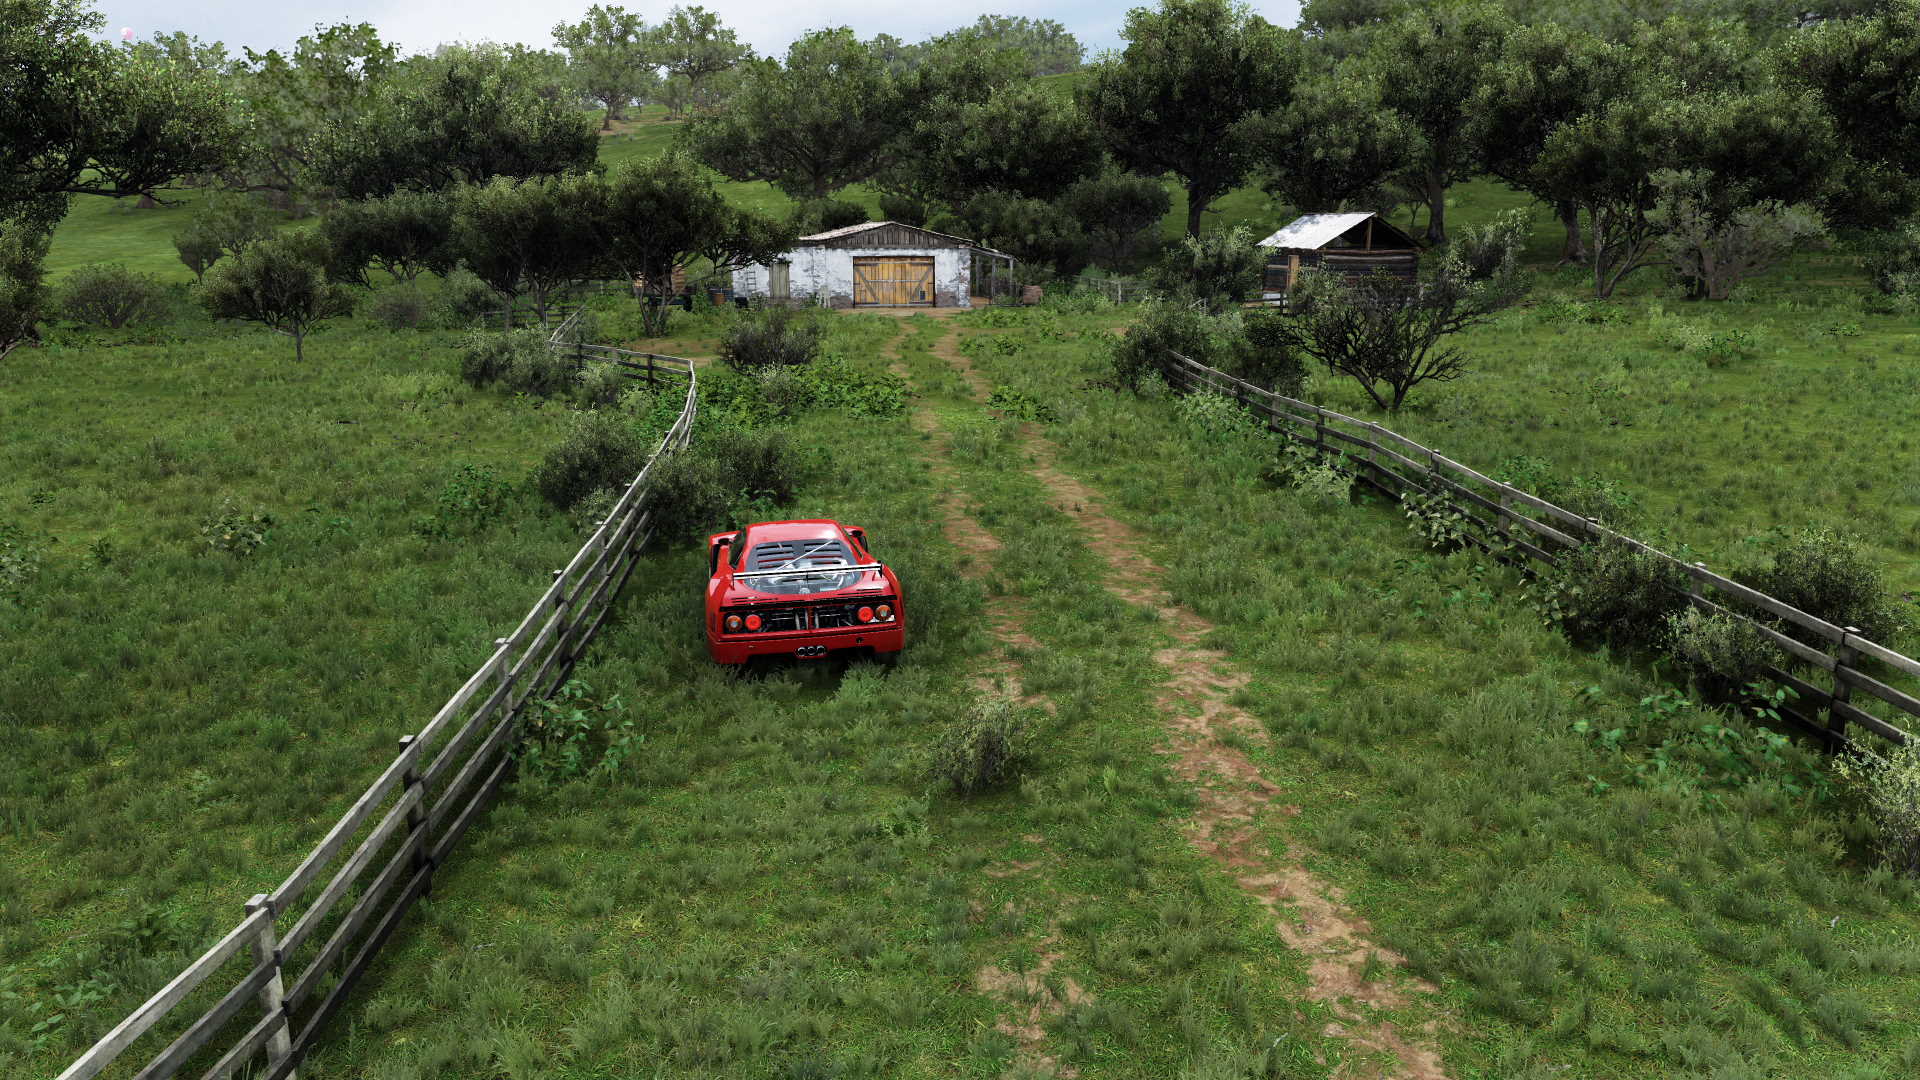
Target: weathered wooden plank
{"x":349,"y":871}
{"x":1809,"y":696}
{"x":400,"y":864}
{"x":459,"y":700}
{"x":336,"y":839}
{"x":114,"y":1042}
{"x":241,"y":1054}
{"x":1764,"y":602}
{"x":1856,"y":715}
{"x":1885,"y":655}
{"x":1786,"y":644}
{"x":168,"y":1061}
{"x":456,"y":795}
{"x":1860,"y":680}
{"x":486,"y":790}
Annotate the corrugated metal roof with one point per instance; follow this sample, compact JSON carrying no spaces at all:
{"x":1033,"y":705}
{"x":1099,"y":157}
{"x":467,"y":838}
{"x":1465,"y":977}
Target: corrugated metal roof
{"x":1313,"y":230}
{"x":865,"y":226}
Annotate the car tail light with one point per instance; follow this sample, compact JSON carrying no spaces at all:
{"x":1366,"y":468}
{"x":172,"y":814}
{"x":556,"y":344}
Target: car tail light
{"x":865,"y":614}
{"x":733,"y":624}
{"x":753,"y":622}
{"x":884,"y":612}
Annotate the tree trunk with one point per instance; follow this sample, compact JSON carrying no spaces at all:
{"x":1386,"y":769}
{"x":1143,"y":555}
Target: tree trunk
{"x":299,"y":344}
{"x":1575,"y":252}
{"x":1196,"y":205}
{"x":1436,"y":197}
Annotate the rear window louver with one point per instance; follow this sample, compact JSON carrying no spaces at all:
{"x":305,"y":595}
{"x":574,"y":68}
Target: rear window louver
{"x":777,"y":553}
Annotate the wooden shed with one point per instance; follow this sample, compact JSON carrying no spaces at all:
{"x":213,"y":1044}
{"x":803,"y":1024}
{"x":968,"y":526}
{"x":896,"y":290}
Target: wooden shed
{"x":1354,"y":244}
{"x":879,"y":264}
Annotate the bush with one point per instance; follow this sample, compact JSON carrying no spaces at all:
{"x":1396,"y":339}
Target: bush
{"x":985,"y":748}
{"x":1722,"y":653}
{"x":487,"y":357}
{"x":23,"y":290}
{"x":110,"y":295}
{"x":1219,"y":269}
{"x":728,"y":476}
{"x":601,"y":450}
{"x":904,"y":209}
{"x":1612,"y":593}
{"x":228,"y":529}
{"x":837,"y":384}
{"x":599,"y":384}
{"x":1894,"y":262}
{"x":19,"y":563}
{"x":521,"y":362}
{"x":464,"y":298}
{"x":1266,"y":356}
{"x":784,"y":391}
{"x":473,"y":499}
{"x":1891,"y":784}
{"x":1823,"y":573}
{"x":776,"y":337}
{"x":824,"y":215}
{"x":403,"y":307}
{"x":573,"y":734}
{"x":1164,"y":327}
{"x":1714,"y":248}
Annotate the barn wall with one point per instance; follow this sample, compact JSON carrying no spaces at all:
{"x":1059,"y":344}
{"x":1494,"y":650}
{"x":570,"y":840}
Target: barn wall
{"x":827,"y":273}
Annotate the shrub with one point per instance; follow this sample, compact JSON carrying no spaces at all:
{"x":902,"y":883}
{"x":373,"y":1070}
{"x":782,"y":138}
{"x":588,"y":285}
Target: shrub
{"x":1823,"y":573}
{"x":600,"y":450}
{"x":1165,"y":327}
{"x":403,"y":307}
{"x":110,"y":295}
{"x":464,"y":298}
{"x":279,"y":282}
{"x":1487,"y":251}
{"x":487,"y":357}
{"x":1021,"y":405}
{"x":904,"y":209}
{"x":228,"y":529}
{"x":1721,"y":652}
{"x":784,"y":391}
{"x":776,"y":337}
{"x":599,"y":384}
{"x":1266,"y":357}
{"x":1612,"y":593}
{"x":1891,"y":784}
{"x":727,"y":476}
{"x":837,"y":384}
{"x":1212,"y":416}
{"x":572,"y":734}
{"x":23,"y":290}
{"x":1714,"y":249}
{"x":985,"y":748}
{"x":474,"y":498}
{"x":536,"y":369}
{"x":1219,"y":269}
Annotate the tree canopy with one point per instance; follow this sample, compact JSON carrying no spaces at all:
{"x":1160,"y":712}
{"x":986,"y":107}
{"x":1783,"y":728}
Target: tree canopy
{"x":611,"y":54}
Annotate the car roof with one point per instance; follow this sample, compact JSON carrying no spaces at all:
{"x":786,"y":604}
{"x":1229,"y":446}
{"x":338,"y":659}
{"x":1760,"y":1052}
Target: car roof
{"x":811,"y":529}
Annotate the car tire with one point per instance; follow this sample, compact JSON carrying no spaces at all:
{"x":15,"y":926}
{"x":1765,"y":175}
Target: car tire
{"x":887,"y":659}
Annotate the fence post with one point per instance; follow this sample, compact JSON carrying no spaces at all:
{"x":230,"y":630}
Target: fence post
{"x":1844,"y":658}
{"x":416,"y":817}
{"x":266,"y":950}
{"x":651,"y":377}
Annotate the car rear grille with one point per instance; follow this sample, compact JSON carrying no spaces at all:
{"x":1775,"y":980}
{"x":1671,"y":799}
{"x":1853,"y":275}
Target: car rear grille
{"x":777,"y":619}
{"x":829,"y":616}
{"x":832,"y":616}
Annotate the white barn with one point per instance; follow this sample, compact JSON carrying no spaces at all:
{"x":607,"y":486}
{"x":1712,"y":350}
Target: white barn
{"x":878,"y":264}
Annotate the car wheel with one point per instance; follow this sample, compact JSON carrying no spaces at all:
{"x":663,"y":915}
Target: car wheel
{"x":887,"y":659}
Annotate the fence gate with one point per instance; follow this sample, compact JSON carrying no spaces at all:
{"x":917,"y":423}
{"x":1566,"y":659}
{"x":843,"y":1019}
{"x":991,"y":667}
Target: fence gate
{"x":893,"y":281}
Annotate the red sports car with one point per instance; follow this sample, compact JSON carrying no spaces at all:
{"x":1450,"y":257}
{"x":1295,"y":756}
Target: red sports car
{"x":800,"y":588}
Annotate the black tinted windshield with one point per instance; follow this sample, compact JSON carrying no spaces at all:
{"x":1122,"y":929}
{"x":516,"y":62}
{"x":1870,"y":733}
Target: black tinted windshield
{"x":802,"y":564}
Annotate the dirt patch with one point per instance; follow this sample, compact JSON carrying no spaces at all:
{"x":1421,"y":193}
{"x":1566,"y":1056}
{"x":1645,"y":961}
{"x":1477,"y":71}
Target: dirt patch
{"x":1204,"y":727}
{"x":1033,"y":999}
{"x":948,"y":349}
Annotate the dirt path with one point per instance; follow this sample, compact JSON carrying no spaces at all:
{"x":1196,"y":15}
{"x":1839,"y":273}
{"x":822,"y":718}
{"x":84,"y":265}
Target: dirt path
{"x":1206,"y":730}
{"x":1028,"y":997}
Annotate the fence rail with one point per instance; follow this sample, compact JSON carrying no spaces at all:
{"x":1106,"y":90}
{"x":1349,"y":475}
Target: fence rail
{"x":323,"y":925}
{"x":1500,"y":516}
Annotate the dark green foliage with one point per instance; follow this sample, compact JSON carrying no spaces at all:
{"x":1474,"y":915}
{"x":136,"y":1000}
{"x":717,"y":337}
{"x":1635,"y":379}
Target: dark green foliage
{"x":404,"y":307}
{"x":530,"y":237}
{"x":404,"y":233}
{"x":1162,"y":328}
{"x":1042,"y":235}
{"x":1120,"y":213}
{"x":904,"y":209}
{"x":576,"y":733}
{"x":1824,"y":573}
{"x":1612,"y":593}
{"x":730,"y":477}
{"x":279,"y":282}
{"x":983,"y":749}
{"x":234,"y":531}
{"x":465,"y":298}
{"x":1220,"y":270}
{"x":1863,"y":71}
{"x":825,"y":215}
{"x":601,"y":450}
{"x":774,"y":337}
{"x":487,"y":357}
{"x":23,"y":290}
{"x":472,"y":500}
{"x":1268,"y":357}
{"x":467,"y":117}
{"x":110,"y":295}
{"x":1721,"y":653}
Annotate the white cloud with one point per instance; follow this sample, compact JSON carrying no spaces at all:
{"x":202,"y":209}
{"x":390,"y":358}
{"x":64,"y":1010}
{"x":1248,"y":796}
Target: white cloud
{"x":418,"y":25}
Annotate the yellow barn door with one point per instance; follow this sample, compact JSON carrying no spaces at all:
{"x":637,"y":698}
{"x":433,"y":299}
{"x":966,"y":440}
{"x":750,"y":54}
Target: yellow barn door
{"x":893,"y":281}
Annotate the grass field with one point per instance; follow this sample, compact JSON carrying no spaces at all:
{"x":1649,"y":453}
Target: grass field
{"x":1545,"y":862}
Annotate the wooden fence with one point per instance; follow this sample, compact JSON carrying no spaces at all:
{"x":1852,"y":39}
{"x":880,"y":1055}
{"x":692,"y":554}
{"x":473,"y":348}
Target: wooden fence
{"x":1501,"y":517}
{"x":294,"y":958}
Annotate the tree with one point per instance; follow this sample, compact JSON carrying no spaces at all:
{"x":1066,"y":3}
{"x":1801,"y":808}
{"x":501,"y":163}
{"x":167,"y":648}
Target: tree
{"x":1719,"y":248}
{"x":404,"y":234}
{"x":663,"y":213}
{"x":281,"y":283}
{"x":23,"y":290}
{"x":1428,"y":64}
{"x":530,"y":237}
{"x":83,"y":118}
{"x":1334,"y":145}
{"x":1386,"y":333}
{"x":1120,"y":212}
{"x":695,"y":47}
{"x":1546,"y":75}
{"x":1050,"y":49}
{"x":611,"y":51}
{"x":1864,"y":71}
{"x":1183,"y":95}
{"x":1221,"y":270}
{"x":810,"y":126}
{"x":1021,"y":139}
{"x":464,"y":116}
{"x":1037,"y":232}
{"x":291,"y":98}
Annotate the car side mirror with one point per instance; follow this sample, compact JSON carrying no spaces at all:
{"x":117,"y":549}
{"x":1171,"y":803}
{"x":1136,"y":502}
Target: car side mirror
{"x":858,"y":534}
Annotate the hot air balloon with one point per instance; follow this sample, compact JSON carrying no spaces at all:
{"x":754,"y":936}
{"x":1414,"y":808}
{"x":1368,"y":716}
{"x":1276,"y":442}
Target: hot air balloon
{"x":126,"y":33}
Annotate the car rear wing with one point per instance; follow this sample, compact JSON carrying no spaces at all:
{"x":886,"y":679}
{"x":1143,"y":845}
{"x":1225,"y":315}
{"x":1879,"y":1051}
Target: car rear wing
{"x":800,"y":571}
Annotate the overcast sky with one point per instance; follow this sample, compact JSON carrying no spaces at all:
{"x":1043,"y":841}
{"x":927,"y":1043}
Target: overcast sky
{"x":768,"y":25}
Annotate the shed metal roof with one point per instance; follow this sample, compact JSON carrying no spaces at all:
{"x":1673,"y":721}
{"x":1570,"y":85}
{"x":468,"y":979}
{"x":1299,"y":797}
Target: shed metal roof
{"x":850,"y":230}
{"x":1313,"y":230}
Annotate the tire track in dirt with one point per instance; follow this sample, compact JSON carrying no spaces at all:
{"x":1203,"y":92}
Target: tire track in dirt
{"x":1309,"y":914}
{"x":1031,"y":997}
